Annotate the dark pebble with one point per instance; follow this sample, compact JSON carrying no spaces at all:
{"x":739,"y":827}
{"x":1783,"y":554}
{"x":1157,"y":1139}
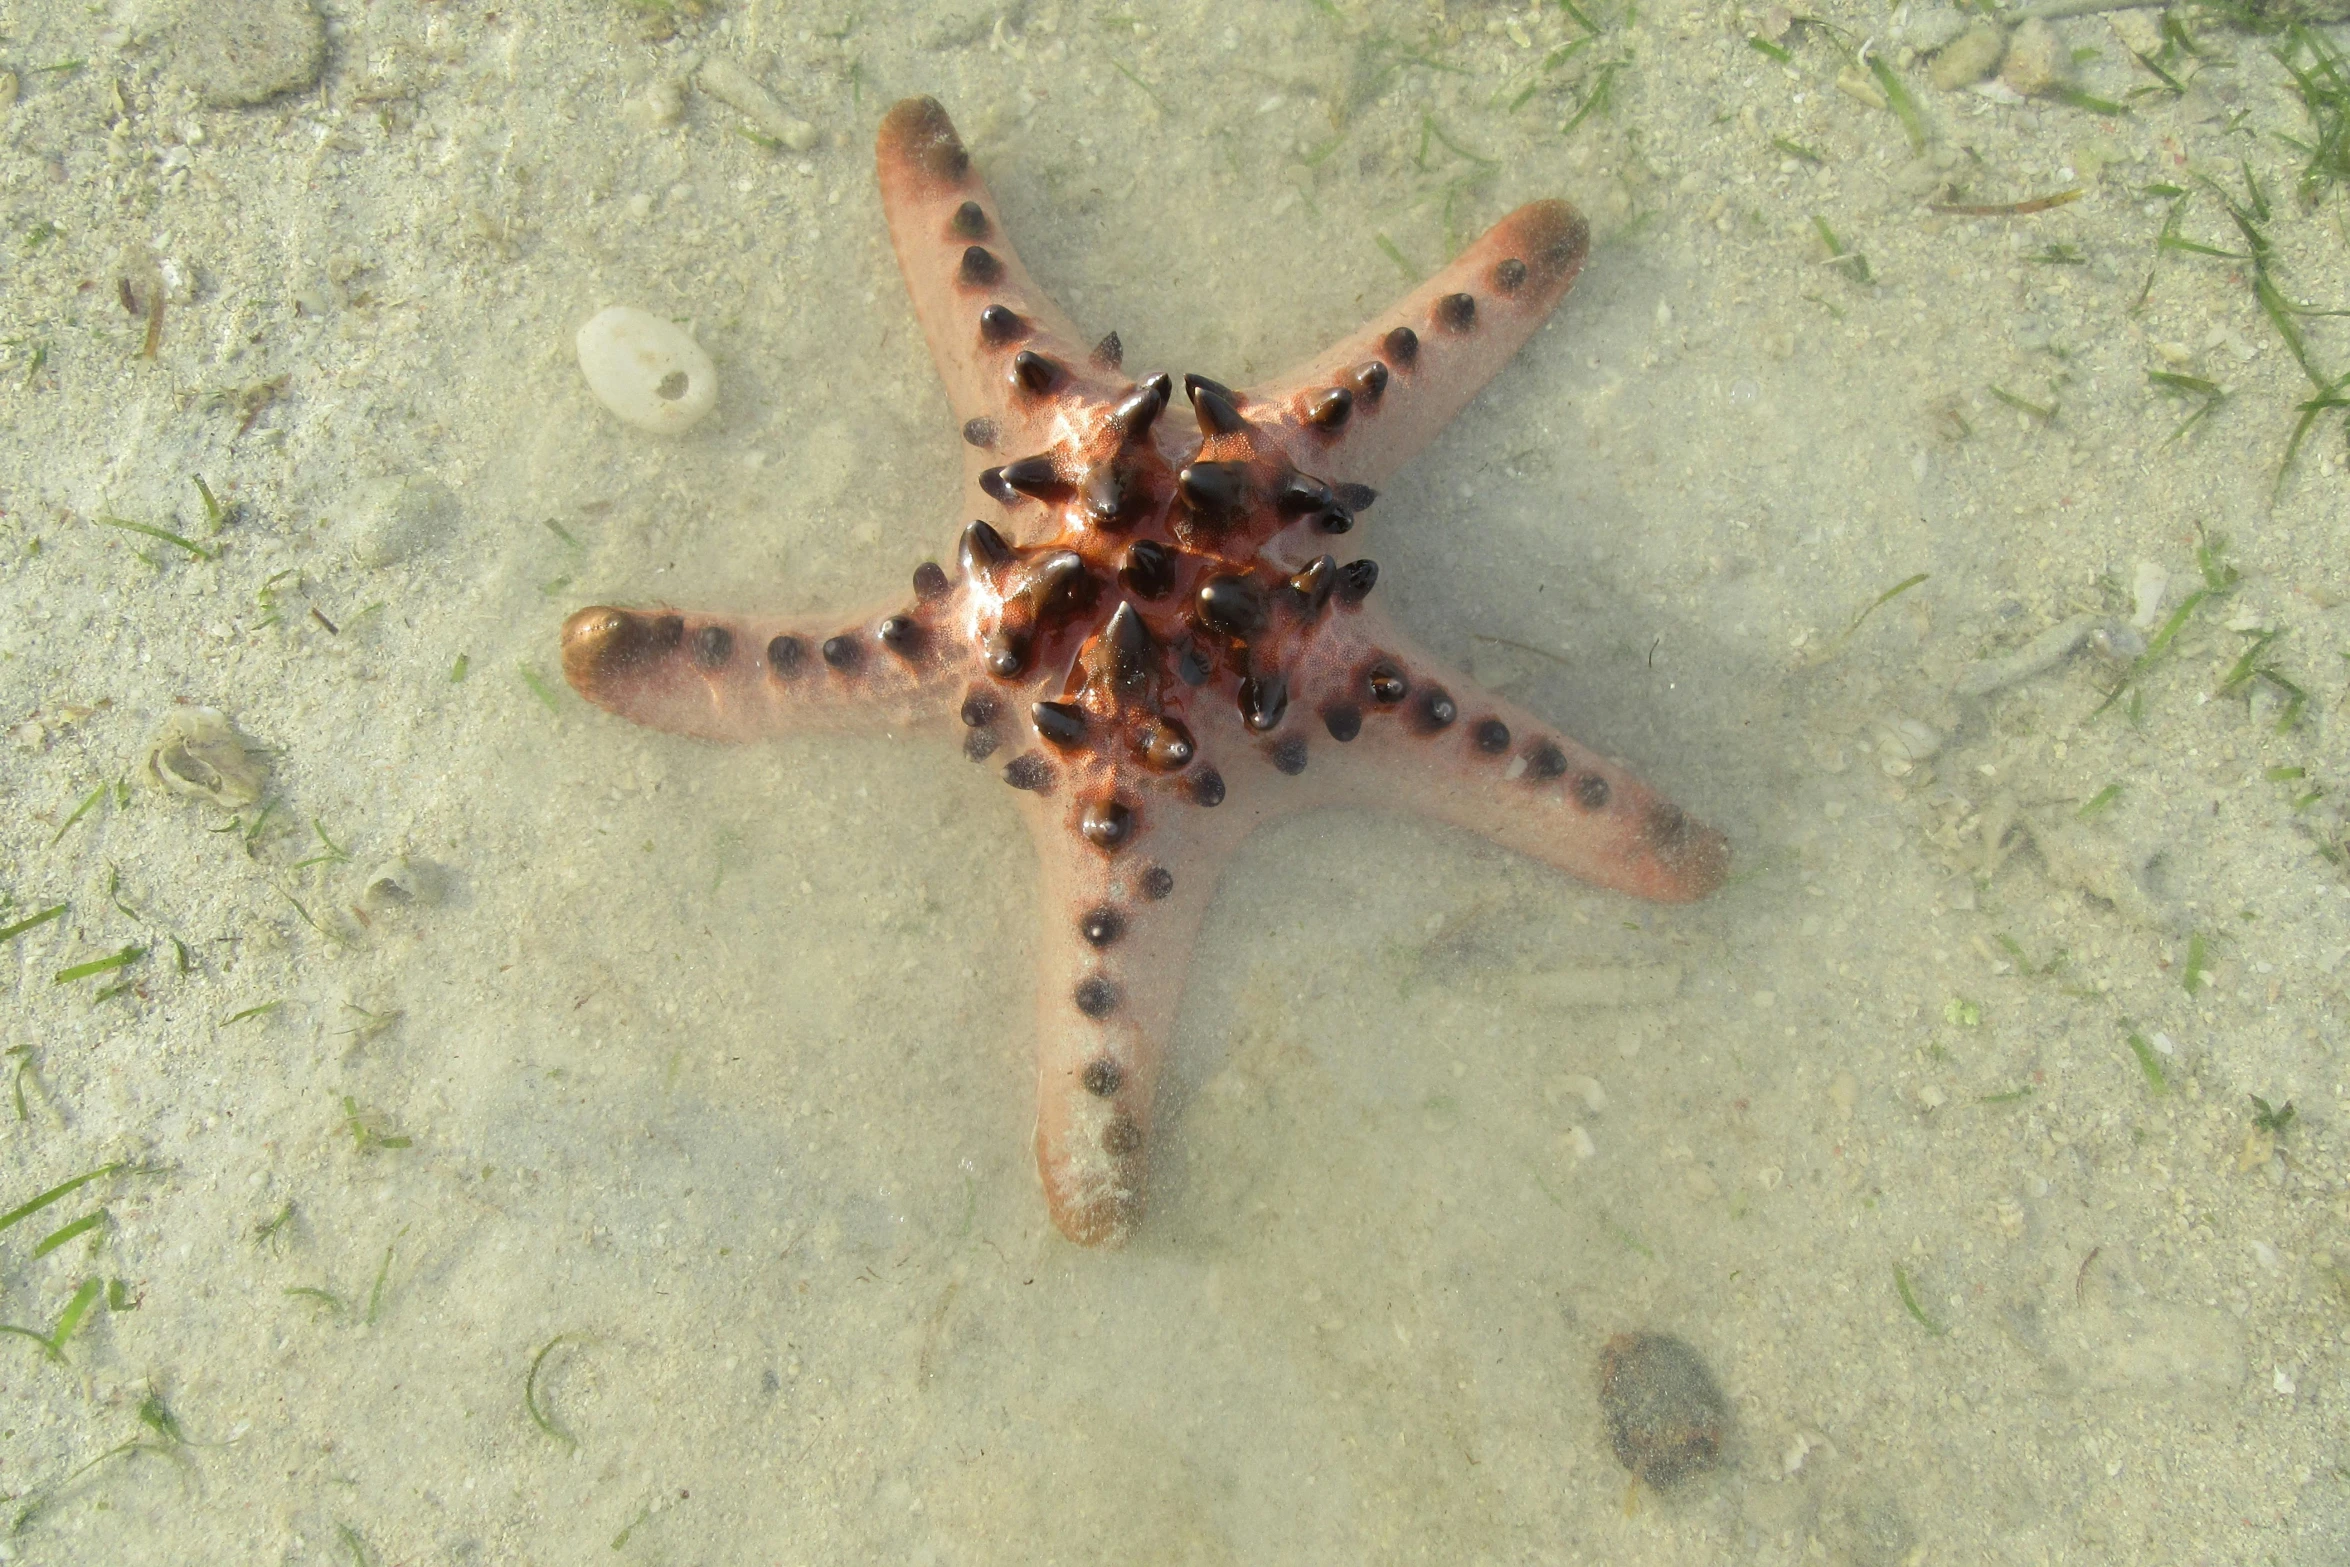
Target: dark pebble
{"x":1665,"y":1414}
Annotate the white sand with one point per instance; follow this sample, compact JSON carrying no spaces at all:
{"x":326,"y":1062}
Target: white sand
{"x":712,"y":1063}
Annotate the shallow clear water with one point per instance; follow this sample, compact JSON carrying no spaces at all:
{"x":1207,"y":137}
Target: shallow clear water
{"x":663,"y":1191}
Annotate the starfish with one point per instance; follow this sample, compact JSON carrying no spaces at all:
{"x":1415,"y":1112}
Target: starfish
{"x":1147,"y":623}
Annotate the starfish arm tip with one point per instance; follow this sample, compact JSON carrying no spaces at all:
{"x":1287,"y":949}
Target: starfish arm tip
{"x":918,"y":140}
{"x":1686,"y":860}
{"x":1415,"y":735}
{"x":1112,"y":959}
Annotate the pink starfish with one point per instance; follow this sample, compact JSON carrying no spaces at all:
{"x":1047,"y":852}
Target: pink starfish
{"x":1147,"y":625}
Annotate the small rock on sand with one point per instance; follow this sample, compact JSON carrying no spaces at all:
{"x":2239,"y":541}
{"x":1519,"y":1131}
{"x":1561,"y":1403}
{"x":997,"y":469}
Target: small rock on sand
{"x":1970,"y":57}
{"x":2036,"y":59}
{"x":1666,"y":1416}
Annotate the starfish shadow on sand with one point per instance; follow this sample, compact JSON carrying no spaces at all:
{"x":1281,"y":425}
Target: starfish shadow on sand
{"x":1147,"y":624}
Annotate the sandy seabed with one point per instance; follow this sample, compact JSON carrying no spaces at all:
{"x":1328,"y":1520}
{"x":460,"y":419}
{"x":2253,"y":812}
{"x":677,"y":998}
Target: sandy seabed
{"x":531,"y":1139}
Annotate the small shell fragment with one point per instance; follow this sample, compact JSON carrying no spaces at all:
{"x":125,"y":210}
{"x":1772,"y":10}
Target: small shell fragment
{"x":2121,"y":643}
{"x":660,"y":106}
{"x":198,"y":751}
{"x":403,"y":882}
{"x":1903,"y":743}
{"x":647,"y":371}
{"x":2148,"y":586}
{"x":2036,"y":657}
{"x":735,"y":87}
{"x":1860,"y":87}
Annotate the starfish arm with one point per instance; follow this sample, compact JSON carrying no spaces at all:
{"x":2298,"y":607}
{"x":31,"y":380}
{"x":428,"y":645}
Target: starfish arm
{"x":1111,"y":961}
{"x":1011,"y":359}
{"x":718,"y":677}
{"x":1446,"y":747}
{"x":1369,"y":404}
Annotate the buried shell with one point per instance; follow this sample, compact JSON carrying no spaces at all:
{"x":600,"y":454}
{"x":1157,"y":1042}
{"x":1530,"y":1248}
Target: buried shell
{"x":404,"y":881}
{"x":1904,"y":744}
{"x":197,"y":751}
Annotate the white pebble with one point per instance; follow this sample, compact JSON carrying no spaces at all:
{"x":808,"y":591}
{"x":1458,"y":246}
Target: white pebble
{"x":647,"y":371}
